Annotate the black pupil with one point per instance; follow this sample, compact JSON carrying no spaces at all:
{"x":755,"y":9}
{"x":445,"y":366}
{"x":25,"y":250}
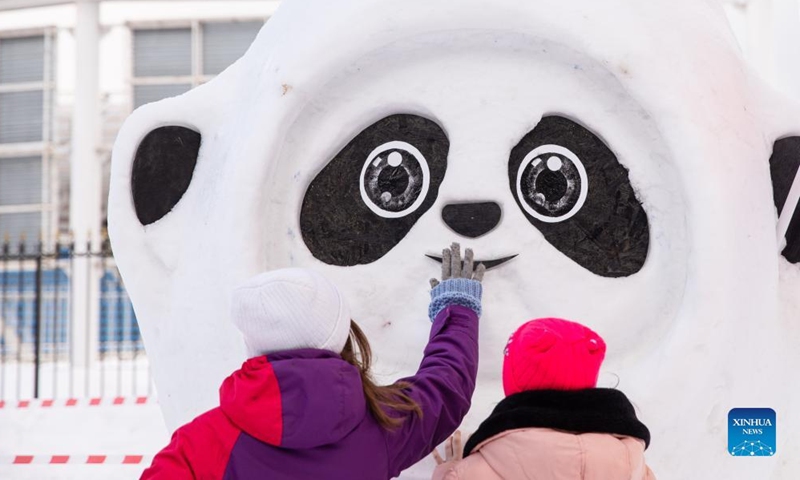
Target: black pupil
{"x":552,"y":184}
{"x":393,"y":180}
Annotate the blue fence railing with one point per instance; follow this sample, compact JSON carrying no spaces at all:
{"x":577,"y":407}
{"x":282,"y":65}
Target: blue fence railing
{"x":38,"y":292}
{"x":118,"y":327}
{"x":18,"y":301}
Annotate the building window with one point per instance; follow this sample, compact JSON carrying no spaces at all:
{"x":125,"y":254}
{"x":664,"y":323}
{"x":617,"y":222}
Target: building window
{"x":171,"y":61}
{"x":25,"y":91}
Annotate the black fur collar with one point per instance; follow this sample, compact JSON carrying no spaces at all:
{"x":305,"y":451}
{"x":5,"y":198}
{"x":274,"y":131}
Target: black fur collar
{"x":597,"y":410}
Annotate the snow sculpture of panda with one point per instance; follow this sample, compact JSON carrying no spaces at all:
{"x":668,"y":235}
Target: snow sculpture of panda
{"x":613,"y":162}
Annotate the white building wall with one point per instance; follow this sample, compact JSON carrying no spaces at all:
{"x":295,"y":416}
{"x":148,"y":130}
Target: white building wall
{"x":116,"y":19}
{"x":92,"y":95}
{"x":115,"y":68}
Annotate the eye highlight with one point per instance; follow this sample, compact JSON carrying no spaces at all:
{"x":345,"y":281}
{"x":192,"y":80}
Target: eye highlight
{"x":552,"y":184}
{"x":395,"y":180}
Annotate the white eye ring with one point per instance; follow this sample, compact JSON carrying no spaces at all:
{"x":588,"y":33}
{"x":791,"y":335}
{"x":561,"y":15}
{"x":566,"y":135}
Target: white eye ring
{"x":543,"y":151}
{"x":426,"y":180}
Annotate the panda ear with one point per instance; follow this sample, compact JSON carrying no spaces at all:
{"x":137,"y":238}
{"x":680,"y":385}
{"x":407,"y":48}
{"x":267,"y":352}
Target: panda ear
{"x":162,"y":171}
{"x":784,"y":165}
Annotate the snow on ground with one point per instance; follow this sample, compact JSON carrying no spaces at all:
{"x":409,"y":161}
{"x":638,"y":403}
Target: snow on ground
{"x":81,"y":430}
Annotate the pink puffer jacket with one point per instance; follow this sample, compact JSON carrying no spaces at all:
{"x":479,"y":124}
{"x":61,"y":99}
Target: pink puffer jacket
{"x":590,"y":434}
{"x":545,"y":454}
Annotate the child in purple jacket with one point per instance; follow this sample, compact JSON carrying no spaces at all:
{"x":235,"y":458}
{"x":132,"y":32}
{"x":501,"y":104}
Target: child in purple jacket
{"x":304,"y":405}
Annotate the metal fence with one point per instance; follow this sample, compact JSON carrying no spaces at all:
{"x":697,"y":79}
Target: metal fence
{"x":67,"y":327}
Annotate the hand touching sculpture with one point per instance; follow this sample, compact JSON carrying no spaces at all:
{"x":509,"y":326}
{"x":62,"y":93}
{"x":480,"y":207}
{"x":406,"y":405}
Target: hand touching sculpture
{"x":454,"y":267}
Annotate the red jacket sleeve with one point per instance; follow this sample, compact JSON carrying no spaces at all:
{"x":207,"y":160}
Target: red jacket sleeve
{"x":171,"y":462}
{"x":198,"y":451}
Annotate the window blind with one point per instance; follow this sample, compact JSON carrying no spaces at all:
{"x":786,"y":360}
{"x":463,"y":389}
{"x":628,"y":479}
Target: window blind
{"x":21,"y":60}
{"x":164,"y":52}
{"x":20,"y":180}
{"x":224,"y":43}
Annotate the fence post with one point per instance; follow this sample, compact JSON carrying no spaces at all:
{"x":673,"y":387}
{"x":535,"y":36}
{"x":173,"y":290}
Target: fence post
{"x":85,"y":305}
{"x":37,"y":324}
{"x":86,"y":178}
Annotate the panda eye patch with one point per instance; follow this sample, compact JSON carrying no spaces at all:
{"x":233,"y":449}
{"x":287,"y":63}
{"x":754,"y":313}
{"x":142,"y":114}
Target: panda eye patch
{"x":784,"y":168}
{"x":372,"y":193}
{"x":572,"y":188}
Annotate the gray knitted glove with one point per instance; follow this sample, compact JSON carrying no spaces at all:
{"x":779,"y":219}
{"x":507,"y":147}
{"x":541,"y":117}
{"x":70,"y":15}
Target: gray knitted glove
{"x":460,"y":285}
{"x":453,"y":267}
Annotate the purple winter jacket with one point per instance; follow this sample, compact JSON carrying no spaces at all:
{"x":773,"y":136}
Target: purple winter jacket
{"x":302,"y":415}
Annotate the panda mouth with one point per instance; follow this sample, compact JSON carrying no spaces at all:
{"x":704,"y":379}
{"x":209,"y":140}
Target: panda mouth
{"x":489,"y":264}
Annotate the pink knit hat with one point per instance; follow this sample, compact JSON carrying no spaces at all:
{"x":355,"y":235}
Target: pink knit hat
{"x":552,"y":354}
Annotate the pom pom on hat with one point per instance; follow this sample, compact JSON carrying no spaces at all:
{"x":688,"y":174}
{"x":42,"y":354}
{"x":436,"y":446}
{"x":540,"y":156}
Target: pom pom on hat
{"x":552,"y":354}
{"x":290,"y":309}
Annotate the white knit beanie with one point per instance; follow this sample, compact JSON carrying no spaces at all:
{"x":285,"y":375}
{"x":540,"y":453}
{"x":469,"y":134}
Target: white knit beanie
{"x":290,"y":309}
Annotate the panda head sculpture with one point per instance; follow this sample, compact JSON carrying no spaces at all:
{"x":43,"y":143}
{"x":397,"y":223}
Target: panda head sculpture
{"x":611,"y":162}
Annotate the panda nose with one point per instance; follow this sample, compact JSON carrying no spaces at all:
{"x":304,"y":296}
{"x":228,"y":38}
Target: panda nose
{"x":472,"y":219}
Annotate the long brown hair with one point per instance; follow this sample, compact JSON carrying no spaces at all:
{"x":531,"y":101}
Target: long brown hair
{"x":358,"y":353}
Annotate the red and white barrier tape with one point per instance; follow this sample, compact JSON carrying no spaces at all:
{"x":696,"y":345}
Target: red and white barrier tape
{"x":76,"y":460}
{"x":76,"y":402}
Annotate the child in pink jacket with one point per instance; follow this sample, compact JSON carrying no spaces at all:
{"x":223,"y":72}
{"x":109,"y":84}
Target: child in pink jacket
{"x":554,"y":424}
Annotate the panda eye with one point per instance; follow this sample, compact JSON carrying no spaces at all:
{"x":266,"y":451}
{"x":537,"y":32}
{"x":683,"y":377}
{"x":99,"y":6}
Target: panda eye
{"x":785,"y":167}
{"x":395,"y":180}
{"x":552,"y":184}
{"x":371,"y":194}
{"x":573,"y":189}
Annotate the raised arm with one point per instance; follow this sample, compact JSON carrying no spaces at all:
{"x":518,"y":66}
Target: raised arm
{"x":445,"y":381}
